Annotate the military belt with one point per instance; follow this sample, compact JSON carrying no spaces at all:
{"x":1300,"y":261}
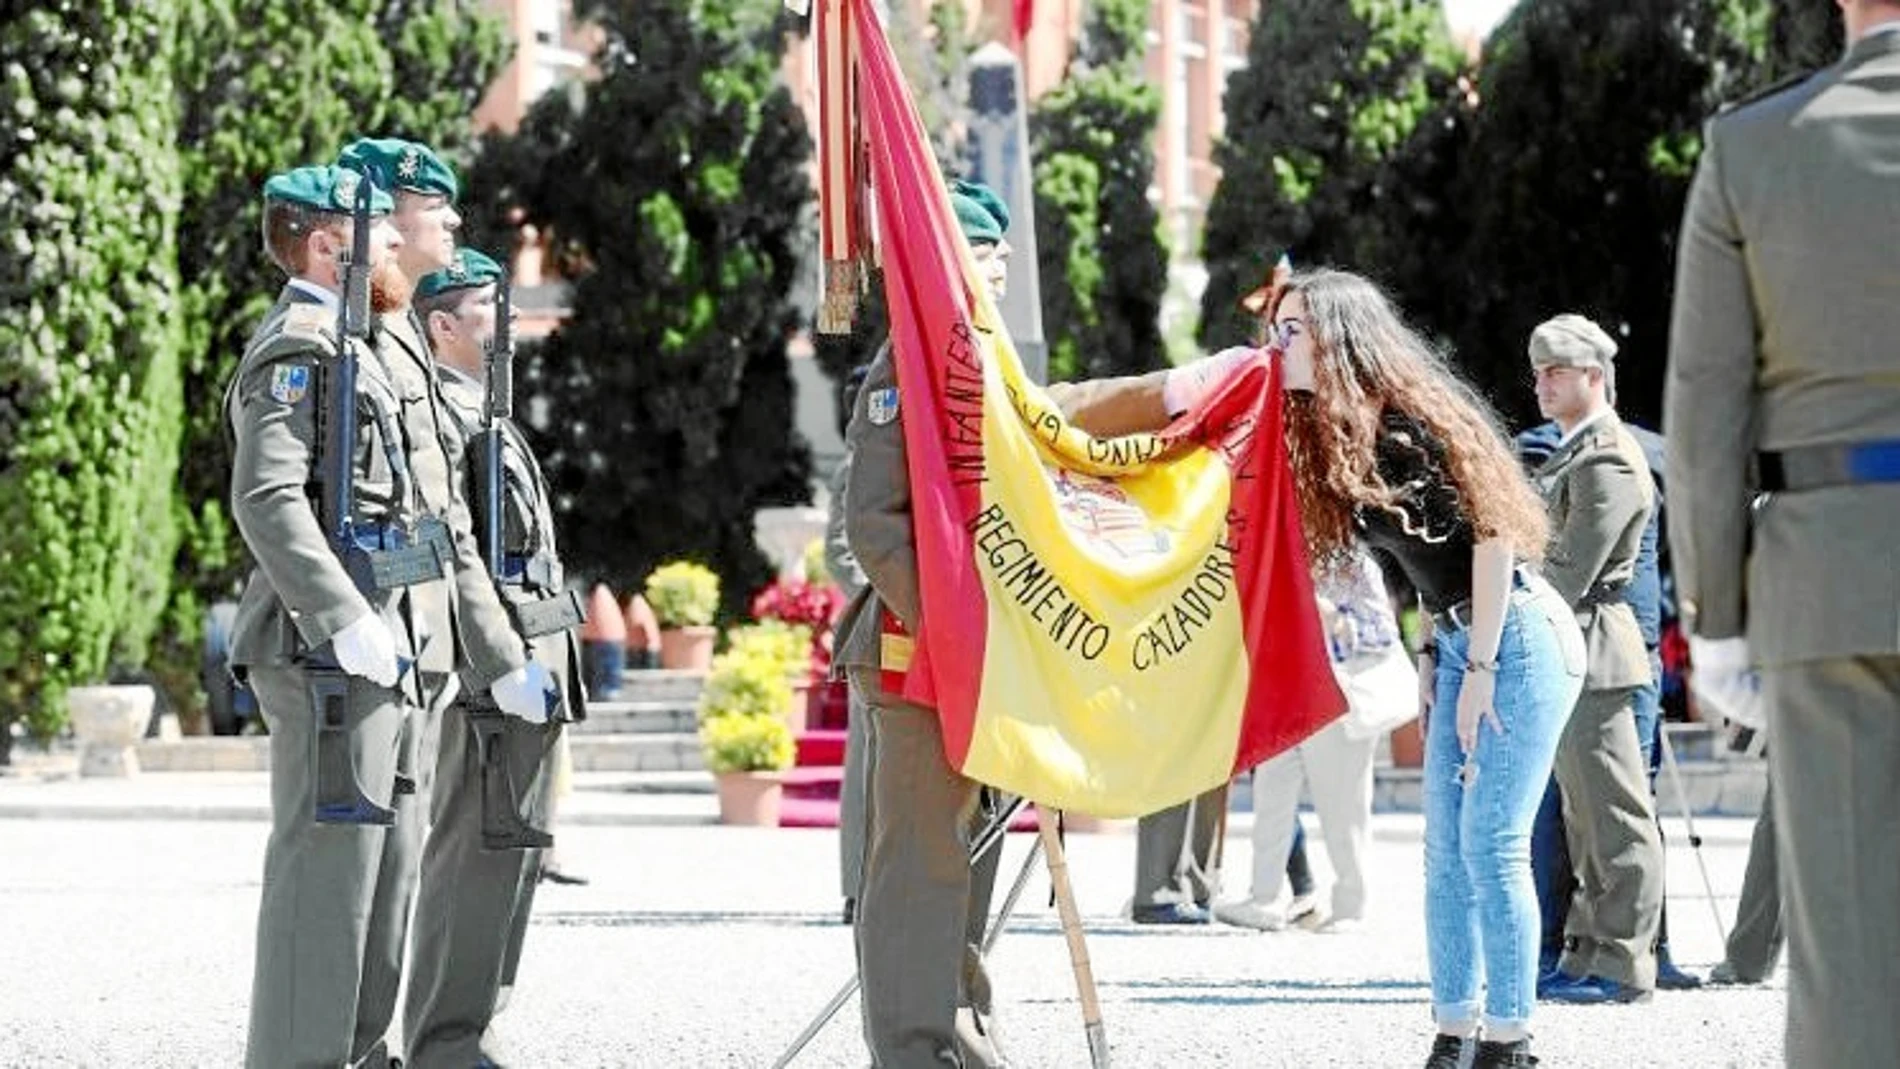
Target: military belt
{"x":1457,"y":617}
{"x":548,"y":616}
{"x":539,"y":571}
{"x":1817,"y":467}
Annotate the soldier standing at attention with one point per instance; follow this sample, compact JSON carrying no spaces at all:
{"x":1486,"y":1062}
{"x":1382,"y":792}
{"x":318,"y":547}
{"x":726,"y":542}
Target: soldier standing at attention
{"x":303,"y":612}
{"x":1784,"y":382}
{"x":922,"y":906}
{"x":1597,"y":486}
{"x":464,"y":624}
{"x":473,"y":906}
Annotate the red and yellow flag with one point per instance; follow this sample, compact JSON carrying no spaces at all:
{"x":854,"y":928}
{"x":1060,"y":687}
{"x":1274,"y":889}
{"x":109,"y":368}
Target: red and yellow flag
{"x":1109,"y":625}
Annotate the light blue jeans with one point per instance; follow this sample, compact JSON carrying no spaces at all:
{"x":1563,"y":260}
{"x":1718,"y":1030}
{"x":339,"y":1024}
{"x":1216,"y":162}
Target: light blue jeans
{"x":1481,"y":919}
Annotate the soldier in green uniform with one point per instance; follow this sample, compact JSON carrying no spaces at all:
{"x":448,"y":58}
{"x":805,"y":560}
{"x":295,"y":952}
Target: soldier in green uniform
{"x":473,"y":907}
{"x":1597,"y":486}
{"x":302,"y":608}
{"x":468,"y":637}
{"x":1784,"y":389}
{"x":922,"y":909}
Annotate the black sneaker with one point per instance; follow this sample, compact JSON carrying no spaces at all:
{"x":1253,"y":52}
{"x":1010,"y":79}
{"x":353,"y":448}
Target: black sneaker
{"x":1448,"y":1052}
{"x":1514,"y":1055}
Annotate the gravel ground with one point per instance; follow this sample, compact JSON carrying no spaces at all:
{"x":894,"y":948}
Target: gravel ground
{"x":129,"y":942}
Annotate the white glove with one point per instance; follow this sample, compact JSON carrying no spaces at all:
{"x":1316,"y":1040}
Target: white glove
{"x":1726,"y":681}
{"x":366,"y":648}
{"x":524,"y":693}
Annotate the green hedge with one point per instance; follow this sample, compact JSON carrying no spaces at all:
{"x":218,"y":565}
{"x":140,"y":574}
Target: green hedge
{"x":89,"y":344}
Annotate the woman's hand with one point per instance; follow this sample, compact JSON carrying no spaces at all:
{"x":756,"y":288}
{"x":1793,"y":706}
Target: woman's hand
{"x":1475,"y":692}
{"x":1427,"y":688}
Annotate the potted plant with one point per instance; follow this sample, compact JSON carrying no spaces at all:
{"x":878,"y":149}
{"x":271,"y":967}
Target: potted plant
{"x":813,"y":605}
{"x":789,"y":647}
{"x":743,"y":735}
{"x":746,"y":753}
{"x":684,"y":597}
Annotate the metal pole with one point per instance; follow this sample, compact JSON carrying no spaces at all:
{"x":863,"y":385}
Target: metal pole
{"x":991,"y":834}
{"x":1015,"y":893}
{"x":1688,"y":817}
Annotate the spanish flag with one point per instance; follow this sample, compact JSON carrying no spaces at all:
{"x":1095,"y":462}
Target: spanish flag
{"x":1109,"y":625}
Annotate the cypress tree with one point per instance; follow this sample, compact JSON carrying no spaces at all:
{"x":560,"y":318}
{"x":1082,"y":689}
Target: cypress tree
{"x":1576,"y":172}
{"x":1103,"y":265}
{"x":676,"y":198}
{"x":1333,"y":91}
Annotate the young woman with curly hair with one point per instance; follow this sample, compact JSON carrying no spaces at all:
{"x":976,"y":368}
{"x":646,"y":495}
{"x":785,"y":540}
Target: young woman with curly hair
{"x":1390,"y":449}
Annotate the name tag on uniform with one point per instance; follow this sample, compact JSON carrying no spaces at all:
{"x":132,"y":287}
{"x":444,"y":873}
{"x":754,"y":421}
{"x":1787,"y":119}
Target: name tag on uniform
{"x":289,"y":383}
{"x":882,"y":406}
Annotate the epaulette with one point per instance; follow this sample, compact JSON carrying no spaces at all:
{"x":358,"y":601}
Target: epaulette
{"x":302,"y":329}
{"x":311,"y":319}
{"x":1773,"y":88}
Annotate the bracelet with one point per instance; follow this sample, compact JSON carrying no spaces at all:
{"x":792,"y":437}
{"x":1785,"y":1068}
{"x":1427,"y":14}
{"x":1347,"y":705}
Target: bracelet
{"x":1490,"y":666}
{"x":1429,"y":649}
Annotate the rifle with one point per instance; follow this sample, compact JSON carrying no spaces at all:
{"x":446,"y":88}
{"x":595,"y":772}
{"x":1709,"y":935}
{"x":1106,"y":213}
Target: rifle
{"x":340,"y":798}
{"x":498,"y":738}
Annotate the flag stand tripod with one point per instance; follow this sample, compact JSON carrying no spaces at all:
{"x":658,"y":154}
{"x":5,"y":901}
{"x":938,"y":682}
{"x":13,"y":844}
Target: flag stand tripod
{"x":1048,"y":842}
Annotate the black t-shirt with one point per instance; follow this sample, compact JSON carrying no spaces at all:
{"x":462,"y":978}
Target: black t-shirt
{"x":1428,"y":529}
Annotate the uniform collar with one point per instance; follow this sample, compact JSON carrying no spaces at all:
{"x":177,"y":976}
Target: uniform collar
{"x":1589,"y":422}
{"x":452,"y":374}
{"x":307,"y":290}
{"x":1881,"y":40}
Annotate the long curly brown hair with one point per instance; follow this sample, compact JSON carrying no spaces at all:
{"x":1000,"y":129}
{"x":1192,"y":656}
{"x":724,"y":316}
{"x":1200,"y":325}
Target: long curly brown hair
{"x":1366,"y":363}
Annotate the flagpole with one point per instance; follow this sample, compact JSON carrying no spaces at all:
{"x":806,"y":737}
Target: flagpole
{"x":1072,"y":931}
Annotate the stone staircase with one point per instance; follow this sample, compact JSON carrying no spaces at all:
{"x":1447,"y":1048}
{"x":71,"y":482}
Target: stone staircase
{"x":650,"y":726}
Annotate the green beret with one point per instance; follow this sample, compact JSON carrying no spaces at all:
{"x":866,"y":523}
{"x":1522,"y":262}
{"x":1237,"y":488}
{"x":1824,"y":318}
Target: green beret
{"x":1570,"y":340}
{"x":398,"y":164}
{"x":981,"y":214}
{"x":328,"y":188}
{"x":468,"y":270}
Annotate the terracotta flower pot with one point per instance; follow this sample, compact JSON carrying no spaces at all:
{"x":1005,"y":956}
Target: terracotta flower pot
{"x":687,"y":648}
{"x":749,"y":798}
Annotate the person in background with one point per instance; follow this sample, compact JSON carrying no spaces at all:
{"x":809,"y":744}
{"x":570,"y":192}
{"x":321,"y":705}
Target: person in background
{"x":1335,"y":765}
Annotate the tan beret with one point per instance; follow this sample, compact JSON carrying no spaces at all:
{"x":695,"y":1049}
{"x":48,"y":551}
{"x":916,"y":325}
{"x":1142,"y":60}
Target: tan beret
{"x":1571,"y":341}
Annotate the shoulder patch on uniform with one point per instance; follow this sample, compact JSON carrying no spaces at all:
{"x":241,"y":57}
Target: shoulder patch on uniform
{"x":289,"y":383}
{"x":311,"y":318}
{"x":881,"y":406}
